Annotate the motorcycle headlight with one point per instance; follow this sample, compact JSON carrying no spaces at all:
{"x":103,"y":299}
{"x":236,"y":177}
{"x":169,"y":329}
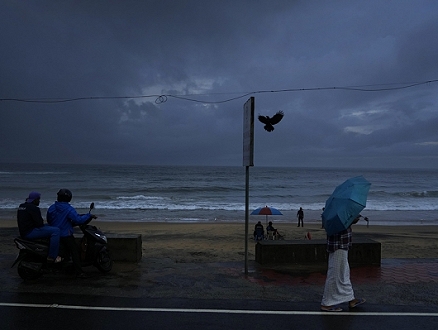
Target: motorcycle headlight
{"x":102,"y":237}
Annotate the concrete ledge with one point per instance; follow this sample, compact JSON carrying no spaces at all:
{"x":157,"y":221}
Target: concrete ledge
{"x":125,"y":247}
{"x":122,"y":247}
{"x":363,"y":252}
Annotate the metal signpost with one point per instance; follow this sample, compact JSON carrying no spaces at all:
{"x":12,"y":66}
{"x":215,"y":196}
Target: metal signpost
{"x":248,"y":160}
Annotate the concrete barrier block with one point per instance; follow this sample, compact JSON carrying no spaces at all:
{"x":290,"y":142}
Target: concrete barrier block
{"x":363,"y":252}
{"x":122,"y":247}
{"x":125,"y":247}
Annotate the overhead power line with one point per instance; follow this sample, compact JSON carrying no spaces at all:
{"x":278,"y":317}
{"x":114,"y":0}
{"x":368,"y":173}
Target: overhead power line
{"x":192,"y":97}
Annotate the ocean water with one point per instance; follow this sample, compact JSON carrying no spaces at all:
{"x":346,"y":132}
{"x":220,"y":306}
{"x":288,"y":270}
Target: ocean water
{"x":202,"y":194}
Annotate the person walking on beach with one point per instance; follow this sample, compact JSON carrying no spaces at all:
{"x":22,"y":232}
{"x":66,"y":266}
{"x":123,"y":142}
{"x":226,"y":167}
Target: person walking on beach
{"x":338,"y":288}
{"x":300,"y":217}
{"x":31,"y":225}
{"x":64,"y":216}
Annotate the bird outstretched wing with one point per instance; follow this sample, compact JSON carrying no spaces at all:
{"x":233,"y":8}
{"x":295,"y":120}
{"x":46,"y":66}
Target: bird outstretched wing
{"x":277,"y":118}
{"x":265,"y":119}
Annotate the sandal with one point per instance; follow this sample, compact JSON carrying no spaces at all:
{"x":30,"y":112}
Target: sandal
{"x":57,"y":260}
{"x":356,"y":302}
{"x":331,"y":308}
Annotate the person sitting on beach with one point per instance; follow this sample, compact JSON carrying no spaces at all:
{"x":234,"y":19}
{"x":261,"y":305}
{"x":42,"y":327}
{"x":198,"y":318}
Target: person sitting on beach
{"x":275,"y":231}
{"x":31,"y":225}
{"x":259,"y":231}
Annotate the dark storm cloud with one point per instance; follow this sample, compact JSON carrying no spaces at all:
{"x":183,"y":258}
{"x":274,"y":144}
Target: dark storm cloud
{"x":213,"y":51}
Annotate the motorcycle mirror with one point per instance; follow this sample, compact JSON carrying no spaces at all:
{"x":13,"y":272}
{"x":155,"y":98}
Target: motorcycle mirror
{"x":91,"y":206}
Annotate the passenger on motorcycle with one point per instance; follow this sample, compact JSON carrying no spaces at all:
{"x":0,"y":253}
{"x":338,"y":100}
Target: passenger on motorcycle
{"x":64,"y":216}
{"x":31,"y":225}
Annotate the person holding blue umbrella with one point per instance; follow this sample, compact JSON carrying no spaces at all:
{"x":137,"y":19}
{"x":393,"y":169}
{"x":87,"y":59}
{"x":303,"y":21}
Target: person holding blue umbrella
{"x":338,"y":287}
{"x":342,"y":209}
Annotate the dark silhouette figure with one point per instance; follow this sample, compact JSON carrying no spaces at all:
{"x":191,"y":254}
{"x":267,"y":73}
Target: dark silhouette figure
{"x":259,"y":231}
{"x":300,"y":217}
{"x":270,"y":122}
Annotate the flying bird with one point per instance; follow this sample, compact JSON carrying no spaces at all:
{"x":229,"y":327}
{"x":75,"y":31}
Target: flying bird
{"x":270,"y":122}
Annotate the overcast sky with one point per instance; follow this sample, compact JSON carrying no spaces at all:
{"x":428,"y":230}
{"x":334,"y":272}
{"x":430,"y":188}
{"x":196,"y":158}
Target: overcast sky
{"x":213,"y":51}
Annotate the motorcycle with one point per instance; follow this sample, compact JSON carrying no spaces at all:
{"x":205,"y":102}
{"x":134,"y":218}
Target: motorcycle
{"x":32,"y":258}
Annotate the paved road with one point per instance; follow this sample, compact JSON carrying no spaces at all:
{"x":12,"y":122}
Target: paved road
{"x":60,"y":311}
{"x":163,"y":294}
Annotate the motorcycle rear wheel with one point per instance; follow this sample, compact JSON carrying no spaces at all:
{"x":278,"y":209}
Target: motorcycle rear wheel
{"x":26,"y":273}
{"x":104,"y":262}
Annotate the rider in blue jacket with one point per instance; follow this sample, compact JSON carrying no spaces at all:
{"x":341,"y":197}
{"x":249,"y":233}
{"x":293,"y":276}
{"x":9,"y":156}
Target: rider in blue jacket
{"x":64,"y":216}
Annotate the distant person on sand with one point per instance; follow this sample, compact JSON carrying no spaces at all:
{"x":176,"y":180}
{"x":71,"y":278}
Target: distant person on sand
{"x":259,"y":232}
{"x":322,"y":222}
{"x":338,"y":288}
{"x":300,"y":217}
{"x":361,"y":216}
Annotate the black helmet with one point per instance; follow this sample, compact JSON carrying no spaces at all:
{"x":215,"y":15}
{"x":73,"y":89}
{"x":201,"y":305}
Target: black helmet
{"x":64,"y":195}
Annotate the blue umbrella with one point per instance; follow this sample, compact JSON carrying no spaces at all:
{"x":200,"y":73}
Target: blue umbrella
{"x":266,"y":211}
{"x":345,"y":204}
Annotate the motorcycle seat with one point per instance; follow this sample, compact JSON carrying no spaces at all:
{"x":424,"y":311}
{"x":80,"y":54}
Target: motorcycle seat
{"x":38,"y":240}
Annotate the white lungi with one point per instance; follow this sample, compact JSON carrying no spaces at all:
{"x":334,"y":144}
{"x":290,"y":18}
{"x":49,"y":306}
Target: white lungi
{"x":338,"y":288}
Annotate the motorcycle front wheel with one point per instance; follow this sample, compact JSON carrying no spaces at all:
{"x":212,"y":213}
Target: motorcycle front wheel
{"x":104,"y":262}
